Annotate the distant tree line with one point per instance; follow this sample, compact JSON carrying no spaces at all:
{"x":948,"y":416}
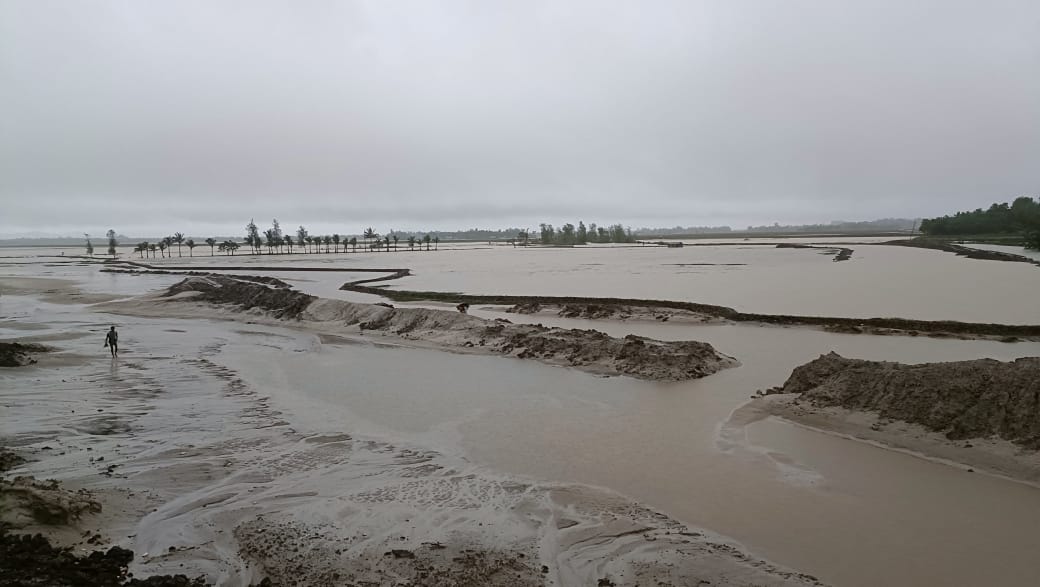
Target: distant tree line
{"x":1020,"y":217}
{"x":680,"y":230}
{"x":569,"y":234}
{"x":883,"y":224}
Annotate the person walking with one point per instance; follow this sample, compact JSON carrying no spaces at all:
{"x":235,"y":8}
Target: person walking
{"x":112,"y":341}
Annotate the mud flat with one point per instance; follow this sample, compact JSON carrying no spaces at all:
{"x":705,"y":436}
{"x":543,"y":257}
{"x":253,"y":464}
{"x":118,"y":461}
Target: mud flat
{"x":198,"y":476}
{"x":588,"y":350}
{"x":981,"y":413}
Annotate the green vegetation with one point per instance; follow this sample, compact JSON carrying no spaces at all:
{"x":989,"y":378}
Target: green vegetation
{"x":569,"y":235}
{"x":1021,"y":217}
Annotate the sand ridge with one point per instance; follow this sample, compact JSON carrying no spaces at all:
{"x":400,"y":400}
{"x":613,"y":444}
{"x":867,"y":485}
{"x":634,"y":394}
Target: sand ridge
{"x":588,"y":350}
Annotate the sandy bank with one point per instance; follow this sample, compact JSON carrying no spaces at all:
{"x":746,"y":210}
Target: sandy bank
{"x":52,"y":290}
{"x":589,"y":350}
{"x":983,"y":413}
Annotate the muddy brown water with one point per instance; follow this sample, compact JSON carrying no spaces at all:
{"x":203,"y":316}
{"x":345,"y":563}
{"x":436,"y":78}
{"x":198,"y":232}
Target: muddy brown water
{"x":848,"y":512}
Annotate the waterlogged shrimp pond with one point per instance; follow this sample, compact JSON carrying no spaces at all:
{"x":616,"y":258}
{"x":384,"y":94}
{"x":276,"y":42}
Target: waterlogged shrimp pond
{"x":263,"y":422}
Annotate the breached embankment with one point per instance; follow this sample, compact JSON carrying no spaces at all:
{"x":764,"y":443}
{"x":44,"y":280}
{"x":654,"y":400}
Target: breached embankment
{"x":962,"y":251}
{"x":588,"y":350}
{"x":621,"y":308}
{"x":983,"y":412}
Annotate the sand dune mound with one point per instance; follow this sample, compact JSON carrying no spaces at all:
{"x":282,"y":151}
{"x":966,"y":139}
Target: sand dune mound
{"x":279,"y":301}
{"x":585,"y":349}
{"x":964,"y":399}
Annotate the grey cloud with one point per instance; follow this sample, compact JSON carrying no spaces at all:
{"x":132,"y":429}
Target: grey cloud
{"x":450,"y":114}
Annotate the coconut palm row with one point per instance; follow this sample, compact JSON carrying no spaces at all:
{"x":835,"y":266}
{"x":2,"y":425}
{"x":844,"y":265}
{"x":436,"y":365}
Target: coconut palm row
{"x":278,"y":243}
{"x":165,"y":246}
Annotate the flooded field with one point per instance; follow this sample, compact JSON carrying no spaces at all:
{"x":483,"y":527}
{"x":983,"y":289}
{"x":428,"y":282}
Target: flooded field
{"x":878,"y":281}
{"x":212,"y":423}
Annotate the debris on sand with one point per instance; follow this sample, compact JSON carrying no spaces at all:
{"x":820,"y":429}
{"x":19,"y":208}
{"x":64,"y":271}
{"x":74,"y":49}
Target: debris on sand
{"x":963,"y":399}
{"x":590,"y":350}
{"x":33,"y":560}
{"x":24,"y":500}
{"x":17,"y":354}
{"x":292,"y":554}
{"x":9,"y":459}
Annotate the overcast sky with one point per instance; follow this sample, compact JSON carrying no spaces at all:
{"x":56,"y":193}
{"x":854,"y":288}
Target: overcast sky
{"x":156,"y":116}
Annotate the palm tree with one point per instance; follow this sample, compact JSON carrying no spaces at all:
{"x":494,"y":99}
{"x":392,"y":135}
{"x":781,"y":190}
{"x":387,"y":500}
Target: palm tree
{"x":191,"y":247}
{"x":436,"y":241}
{"x":335,"y":241}
{"x":395,"y":243}
{"x":253,"y":236}
{"x":387,"y":241}
{"x":353,"y":244}
{"x":211,"y":242}
{"x":178,"y":238}
{"x":309,"y":239}
{"x":169,"y":244}
{"x":411,"y":243}
{"x":426,"y":239}
{"x":301,"y":236}
{"x":112,"y":242}
{"x":369,"y":233}
{"x":151,"y":249}
{"x":162,"y":247}
{"x":141,"y":248}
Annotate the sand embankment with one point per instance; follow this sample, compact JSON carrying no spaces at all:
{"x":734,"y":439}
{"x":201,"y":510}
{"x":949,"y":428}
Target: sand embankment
{"x":962,"y":251}
{"x":588,"y":350}
{"x":634,"y":308}
{"x":663,"y":310}
{"x":983,"y":413}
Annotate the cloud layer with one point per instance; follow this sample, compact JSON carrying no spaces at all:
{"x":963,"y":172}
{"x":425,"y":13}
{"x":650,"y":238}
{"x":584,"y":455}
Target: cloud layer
{"x":176,"y":115}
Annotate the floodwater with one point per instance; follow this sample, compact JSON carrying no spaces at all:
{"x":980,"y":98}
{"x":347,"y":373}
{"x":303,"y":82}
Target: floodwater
{"x":878,"y":281}
{"x":848,"y":512}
